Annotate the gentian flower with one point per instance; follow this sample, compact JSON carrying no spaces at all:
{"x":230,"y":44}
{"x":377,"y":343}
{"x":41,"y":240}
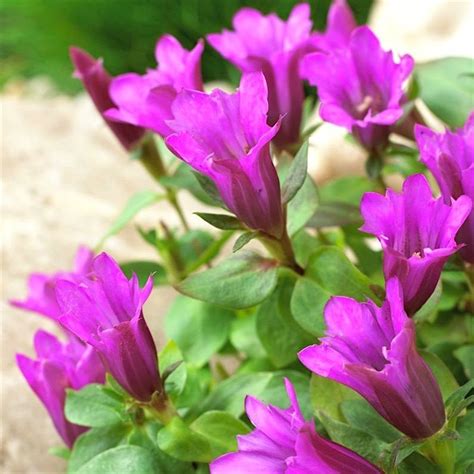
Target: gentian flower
{"x":177,"y":68}
{"x":417,"y":234}
{"x":274,"y":47}
{"x":41,"y":296}
{"x":340,"y":24}
{"x":360,"y":87}
{"x":372,"y":350}
{"x":450,"y":158}
{"x":96,"y":81}
{"x":283,"y":442}
{"x":226,"y":137}
{"x":105,"y":311}
{"x":60,"y":366}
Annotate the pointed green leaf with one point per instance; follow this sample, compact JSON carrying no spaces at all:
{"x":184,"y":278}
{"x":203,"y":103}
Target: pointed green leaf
{"x":278,"y":332}
{"x":447,"y":88}
{"x":221,"y":221}
{"x":241,"y":281}
{"x":198,"y":328}
{"x":243,"y":240}
{"x":296,"y":175}
{"x":134,"y":205}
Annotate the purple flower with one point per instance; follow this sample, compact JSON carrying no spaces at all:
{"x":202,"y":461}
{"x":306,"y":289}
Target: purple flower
{"x":177,"y":68}
{"x":96,"y":81}
{"x":360,"y":87}
{"x":372,"y":350}
{"x":226,"y":137}
{"x":60,"y":366}
{"x":41,"y":296}
{"x":105,"y":310}
{"x":417,"y":234}
{"x":340,"y":24}
{"x":450,"y":157}
{"x":284,"y":442}
{"x":273,"y":46}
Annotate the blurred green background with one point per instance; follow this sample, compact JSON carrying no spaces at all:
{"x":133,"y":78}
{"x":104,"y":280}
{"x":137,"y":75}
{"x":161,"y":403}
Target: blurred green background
{"x":36,"y":34}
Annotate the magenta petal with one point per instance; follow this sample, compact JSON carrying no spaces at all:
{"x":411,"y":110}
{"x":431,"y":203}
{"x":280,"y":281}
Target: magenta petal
{"x":450,"y":158}
{"x":274,"y":47}
{"x":105,"y":310}
{"x":417,"y":233}
{"x":376,"y":356}
{"x":96,"y":82}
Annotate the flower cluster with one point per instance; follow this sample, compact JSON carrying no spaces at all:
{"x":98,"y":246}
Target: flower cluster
{"x":100,"y":312}
{"x":238,"y":142}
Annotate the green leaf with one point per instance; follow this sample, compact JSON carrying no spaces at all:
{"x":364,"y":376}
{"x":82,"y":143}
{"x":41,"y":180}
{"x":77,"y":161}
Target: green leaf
{"x":445,"y":378}
{"x":327,"y":396}
{"x":198,"y":382}
{"x":60,"y":452}
{"x":183,"y":178}
{"x":307,"y":305}
{"x":208,"y":186}
{"x":229,"y":395}
{"x":193,"y":245}
{"x":145,"y":437}
{"x":221,"y":221}
{"x":243,"y":240}
{"x":220,"y":429}
{"x":243,"y":336}
{"x":180,"y":442}
{"x":129,"y":459}
{"x":456,"y":397}
{"x":296,"y":175}
{"x":199,"y":329}
{"x":134,"y":205}
{"x":348,"y":189}
{"x":241,"y":281}
{"x":417,"y":464}
{"x":333,"y":271}
{"x":429,"y":310}
{"x":465,"y":355}
{"x":280,"y":335}
{"x":465,"y":446}
{"x":143,"y":269}
{"x":302,"y":207}
{"x":335,"y":214}
{"x":361,"y":415}
{"x":447,"y":88}
{"x":176,"y":380}
{"x":93,"y":442}
{"x":95,"y":405}
{"x":357,"y":440}
{"x":211,"y":251}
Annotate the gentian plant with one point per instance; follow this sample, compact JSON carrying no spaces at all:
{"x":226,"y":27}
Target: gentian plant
{"x":347,"y":322}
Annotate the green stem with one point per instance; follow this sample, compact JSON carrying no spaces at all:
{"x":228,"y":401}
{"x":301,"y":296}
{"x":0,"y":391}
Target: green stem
{"x":282,"y":250}
{"x":162,"y":407}
{"x":150,"y":158}
{"x":441,"y":452}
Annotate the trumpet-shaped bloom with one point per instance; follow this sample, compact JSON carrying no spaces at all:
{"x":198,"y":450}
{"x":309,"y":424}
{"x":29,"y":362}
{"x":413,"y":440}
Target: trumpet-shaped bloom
{"x":96,"y":81}
{"x":283,"y":442}
{"x":417,"y":234}
{"x":105,"y":311}
{"x":60,"y":366}
{"x":340,"y":24}
{"x":268,"y":44}
{"x":372,"y":350}
{"x":450,"y":158}
{"x":226,"y":137}
{"x":41,"y":288}
{"x":360,"y":86}
{"x":177,"y":68}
